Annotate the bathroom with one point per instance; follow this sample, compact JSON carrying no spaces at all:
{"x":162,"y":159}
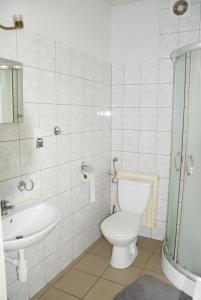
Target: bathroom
{"x":96,"y":84}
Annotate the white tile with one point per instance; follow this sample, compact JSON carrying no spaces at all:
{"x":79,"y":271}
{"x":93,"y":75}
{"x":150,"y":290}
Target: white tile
{"x":189,"y":37}
{"x":76,"y":63}
{"x":148,"y":96}
{"x":8,"y":44}
{"x":11,"y":275}
{"x":162,"y":166}
{"x":31,"y":120}
{"x":17,"y":291}
{"x":130,"y":161}
{"x":9,"y":160}
{"x":80,"y":196}
{"x":78,"y":245}
{"x":159,"y":232}
{"x":167,"y":43}
{"x":47,"y":118}
{"x":52,"y":266}
{"x":62,"y":58}
{"x":165,"y":71}
{"x":89,"y":67}
{"x":164,"y":119}
{"x":77,"y":91}
{"x":144,"y":231}
{"x":66,"y":230}
{"x":147,"y":163}
{"x":48,"y":152}
{"x":9,"y":190}
{"x":165,"y":95}
{"x":131,"y":95}
{"x":49,"y":183}
{"x":132,"y":73}
{"x":99,"y":70}
{"x":37,"y":279}
{"x":35,"y":254}
{"x":149,"y":71}
{"x":162,"y":210}
{"x":130,"y":141}
{"x":66,"y":255}
{"x":131,"y":118}
{"x":147,"y":142}
{"x":51,"y":242}
{"x":163,"y":189}
{"x":63,"y":149}
{"x":47,"y":90}
{"x":63,"y":118}
{"x":148,"y":118}
{"x":117,"y":140}
{"x":65,"y":203}
{"x":27,"y":47}
{"x":9,"y":132}
{"x":30,"y":84}
{"x":163,"y":143}
{"x":88,"y":93}
{"x":117,"y":96}
{"x":117,"y":74}
{"x":117,"y":118}
{"x":30,"y":156}
{"x":64,"y":177}
{"x":46,"y":53}
{"x":164,"y":4}
{"x":167,"y":23}
{"x":193,"y":21}
{"x":62,"y":89}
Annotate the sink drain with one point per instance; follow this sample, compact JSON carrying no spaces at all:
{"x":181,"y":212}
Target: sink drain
{"x":19,"y":237}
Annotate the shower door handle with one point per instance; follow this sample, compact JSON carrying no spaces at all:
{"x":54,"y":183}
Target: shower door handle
{"x":177,"y":161}
{"x":190,"y":165}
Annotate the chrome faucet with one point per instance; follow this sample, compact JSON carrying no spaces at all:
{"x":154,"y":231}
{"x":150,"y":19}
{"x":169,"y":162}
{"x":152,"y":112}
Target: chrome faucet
{"x":5,"y":207}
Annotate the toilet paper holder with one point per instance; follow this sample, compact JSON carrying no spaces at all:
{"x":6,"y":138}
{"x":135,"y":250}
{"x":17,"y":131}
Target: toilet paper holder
{"x":83,"y":167}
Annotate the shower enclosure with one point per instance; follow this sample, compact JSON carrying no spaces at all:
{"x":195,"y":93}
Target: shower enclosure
{"x":181,"y":258}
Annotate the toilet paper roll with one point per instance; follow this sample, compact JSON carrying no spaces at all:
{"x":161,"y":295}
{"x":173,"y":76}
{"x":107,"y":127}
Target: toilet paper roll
{"x":88,"y":175}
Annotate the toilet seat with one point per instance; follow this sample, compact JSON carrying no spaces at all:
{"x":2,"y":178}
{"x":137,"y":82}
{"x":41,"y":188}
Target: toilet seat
{"x":121,"y":224}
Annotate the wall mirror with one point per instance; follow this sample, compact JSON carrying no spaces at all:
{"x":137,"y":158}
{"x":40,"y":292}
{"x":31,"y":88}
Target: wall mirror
{"x":11,"y":91}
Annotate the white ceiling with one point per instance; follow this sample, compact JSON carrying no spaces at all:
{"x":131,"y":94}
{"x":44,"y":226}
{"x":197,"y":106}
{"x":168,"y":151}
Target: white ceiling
{"x":119,"y":2}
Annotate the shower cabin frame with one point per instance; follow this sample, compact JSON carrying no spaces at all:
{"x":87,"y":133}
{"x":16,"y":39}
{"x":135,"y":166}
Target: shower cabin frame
{"x":180,"y":277}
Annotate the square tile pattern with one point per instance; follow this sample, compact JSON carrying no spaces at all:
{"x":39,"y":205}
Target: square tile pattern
{"x":91,"y":276}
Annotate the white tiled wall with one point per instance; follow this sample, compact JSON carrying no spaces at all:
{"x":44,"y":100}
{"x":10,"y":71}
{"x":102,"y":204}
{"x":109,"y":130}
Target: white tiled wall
{"x":141,"y":107}
{"x":71,"y":89}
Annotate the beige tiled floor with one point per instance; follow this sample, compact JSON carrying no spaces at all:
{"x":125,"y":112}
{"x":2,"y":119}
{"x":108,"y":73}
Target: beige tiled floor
{"x":92,"y":278}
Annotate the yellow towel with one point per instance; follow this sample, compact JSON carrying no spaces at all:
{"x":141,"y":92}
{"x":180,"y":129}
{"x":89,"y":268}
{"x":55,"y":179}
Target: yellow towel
{"x":149,"y":217}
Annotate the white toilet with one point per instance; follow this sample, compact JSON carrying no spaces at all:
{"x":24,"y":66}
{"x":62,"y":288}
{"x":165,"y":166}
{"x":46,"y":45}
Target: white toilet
{"x":121,"y":229}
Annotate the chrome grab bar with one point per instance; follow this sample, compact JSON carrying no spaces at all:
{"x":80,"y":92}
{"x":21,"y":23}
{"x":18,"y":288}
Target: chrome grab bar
{"x":190,"y":165}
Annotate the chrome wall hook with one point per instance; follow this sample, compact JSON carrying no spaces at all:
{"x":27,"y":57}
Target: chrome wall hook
{"x":23,"y":186}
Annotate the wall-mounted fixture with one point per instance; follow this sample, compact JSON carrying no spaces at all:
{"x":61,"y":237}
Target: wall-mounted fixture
{"x":39,"y":142}
{"x":57,"y":130}
{"x":18,"y":23}
{"x":22,"y":185}
{"x":11,"y":91}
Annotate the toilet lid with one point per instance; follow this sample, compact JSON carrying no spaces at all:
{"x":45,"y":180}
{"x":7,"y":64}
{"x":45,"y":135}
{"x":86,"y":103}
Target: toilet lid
{"x":122,"y":222}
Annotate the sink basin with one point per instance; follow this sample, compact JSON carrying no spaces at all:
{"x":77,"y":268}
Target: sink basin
{"x":28,"y":223}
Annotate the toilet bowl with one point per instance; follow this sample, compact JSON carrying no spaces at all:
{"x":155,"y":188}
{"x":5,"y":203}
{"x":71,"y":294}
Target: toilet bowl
{"x":121,"y":229}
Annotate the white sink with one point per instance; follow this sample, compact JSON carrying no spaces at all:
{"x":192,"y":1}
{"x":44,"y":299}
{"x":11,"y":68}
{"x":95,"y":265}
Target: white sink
{"x":28,"y":224}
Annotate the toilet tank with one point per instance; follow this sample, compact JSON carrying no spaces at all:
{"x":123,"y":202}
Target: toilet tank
{"x":134,"y":195}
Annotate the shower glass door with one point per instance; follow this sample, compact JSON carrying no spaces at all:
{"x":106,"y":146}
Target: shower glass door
{"x":176,"y":151}
{"x":189,"y":249}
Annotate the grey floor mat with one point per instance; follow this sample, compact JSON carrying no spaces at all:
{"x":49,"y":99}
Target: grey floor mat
{"x":150,"y":288}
